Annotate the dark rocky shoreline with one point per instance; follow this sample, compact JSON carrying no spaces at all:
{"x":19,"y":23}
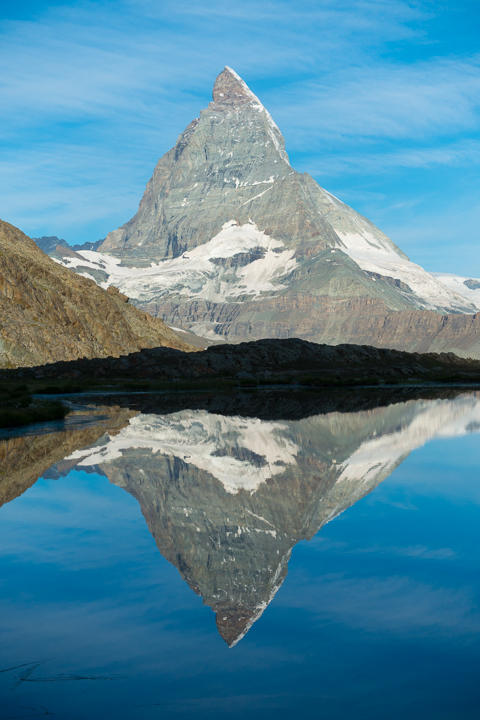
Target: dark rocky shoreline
{"x":268,"y":361}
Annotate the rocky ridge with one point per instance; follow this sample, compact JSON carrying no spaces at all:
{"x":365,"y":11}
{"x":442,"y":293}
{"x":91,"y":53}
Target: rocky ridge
{"x":49,"y":244}
{"x":48,"y":313}
{"x":266,"y":361}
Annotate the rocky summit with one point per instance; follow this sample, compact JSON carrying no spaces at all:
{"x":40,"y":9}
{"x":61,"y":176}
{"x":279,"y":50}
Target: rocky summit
{"x":231,"y":242}
{"x":48,"y":313}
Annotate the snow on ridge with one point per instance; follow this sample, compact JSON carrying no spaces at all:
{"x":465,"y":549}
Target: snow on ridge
{"x":273,"y":129}
{"x":243,"y":84}
{"x":375,"y":255}
{"x":456,"y":283}
{"x":332,"y":198}
{"x":196,"y":274}
{"x":377,"y":457}
{"x":276,"y":584}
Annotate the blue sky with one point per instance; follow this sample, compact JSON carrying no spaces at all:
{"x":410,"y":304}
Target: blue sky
{"x":379,"y":100}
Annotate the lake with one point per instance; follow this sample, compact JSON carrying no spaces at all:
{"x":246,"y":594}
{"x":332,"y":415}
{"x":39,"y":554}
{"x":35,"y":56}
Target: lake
{"x":273,"y":555}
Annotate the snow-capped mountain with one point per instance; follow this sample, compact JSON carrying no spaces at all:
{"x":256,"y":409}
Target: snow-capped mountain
{"x":227,"y":497}
{"x":230,"y":241}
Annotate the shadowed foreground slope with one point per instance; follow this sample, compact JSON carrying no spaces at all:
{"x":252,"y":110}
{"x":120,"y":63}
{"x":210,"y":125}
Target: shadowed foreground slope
{"x":48,"y":313}
{"x":267,"y":361}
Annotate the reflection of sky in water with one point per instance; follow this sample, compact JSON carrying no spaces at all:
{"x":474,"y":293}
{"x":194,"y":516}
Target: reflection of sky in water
{"x":378,"y":616}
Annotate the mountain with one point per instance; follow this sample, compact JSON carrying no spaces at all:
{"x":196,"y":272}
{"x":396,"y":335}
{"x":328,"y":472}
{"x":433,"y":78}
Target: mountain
{"x":227,"y":497}
{"x":49,"y":244}
{"x":48,"y":313}
{"x":231,"y":242}
{"x":88,"y":245}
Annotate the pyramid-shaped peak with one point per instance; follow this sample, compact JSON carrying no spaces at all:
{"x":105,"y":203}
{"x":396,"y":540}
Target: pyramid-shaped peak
{"x":231,"y":91}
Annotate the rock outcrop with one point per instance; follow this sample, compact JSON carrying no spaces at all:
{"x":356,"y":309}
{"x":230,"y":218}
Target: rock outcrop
{"x":48,"y":244}
{"x":267,"y":361}
{"x":244,"y":247}
{"x":48,"y":313}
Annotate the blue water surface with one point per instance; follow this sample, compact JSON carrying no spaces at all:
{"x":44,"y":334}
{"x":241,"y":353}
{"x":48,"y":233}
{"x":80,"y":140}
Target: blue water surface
{"x":378,"y":616}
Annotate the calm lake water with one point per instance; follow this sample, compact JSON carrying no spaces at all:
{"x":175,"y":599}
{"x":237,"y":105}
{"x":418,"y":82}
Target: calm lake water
{"x":267,"y":558}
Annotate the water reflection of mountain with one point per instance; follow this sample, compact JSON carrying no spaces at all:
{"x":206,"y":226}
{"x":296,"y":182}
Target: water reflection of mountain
{"x":226,"y":497}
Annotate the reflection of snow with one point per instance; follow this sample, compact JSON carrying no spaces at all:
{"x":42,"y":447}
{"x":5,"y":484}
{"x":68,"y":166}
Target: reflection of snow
{"x":434,"y":418}
{"x":203,"y":440}
{"x":242,"y":453}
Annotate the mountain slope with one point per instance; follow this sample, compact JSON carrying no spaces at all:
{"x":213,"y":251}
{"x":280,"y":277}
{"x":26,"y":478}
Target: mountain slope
{"x":48,"y":313}
{"x":229,"y":240}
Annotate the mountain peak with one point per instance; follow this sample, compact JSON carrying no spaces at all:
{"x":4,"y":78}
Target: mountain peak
{"x":231,"y":91}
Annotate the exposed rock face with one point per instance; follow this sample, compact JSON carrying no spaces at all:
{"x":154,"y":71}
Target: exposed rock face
{"x":48,"y":313}
{"x":244,"y":247}
{"x":227,"y":497}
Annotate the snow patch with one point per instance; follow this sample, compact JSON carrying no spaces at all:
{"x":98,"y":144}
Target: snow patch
{"x":256,"y":196}
{"x":456,"y":283}
{"x":436,"y":418}
{"x":198,"y":276}
{"x":377,"y":255}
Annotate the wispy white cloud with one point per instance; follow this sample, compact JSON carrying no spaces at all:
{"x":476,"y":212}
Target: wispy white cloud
{"x":385,"y":100}
{"x":457,"y":154}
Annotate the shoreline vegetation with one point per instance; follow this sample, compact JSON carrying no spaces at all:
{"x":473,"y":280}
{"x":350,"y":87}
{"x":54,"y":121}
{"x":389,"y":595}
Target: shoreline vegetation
{"x":19,"y":408}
